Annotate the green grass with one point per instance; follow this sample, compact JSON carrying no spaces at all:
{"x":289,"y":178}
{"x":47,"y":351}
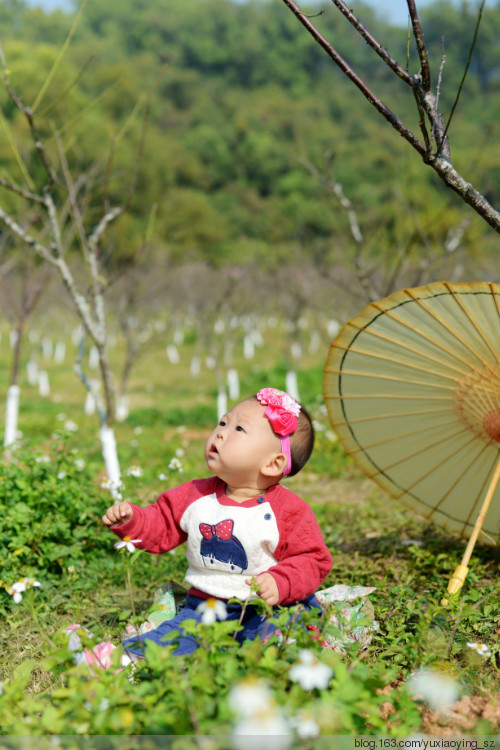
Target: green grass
{"x":52,"y":522}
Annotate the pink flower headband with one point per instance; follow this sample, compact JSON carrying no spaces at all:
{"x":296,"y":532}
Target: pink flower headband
{"x":282,"y":412}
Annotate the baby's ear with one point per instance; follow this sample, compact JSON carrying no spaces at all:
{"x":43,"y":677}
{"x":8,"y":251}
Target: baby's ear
{"x":275,"y":466}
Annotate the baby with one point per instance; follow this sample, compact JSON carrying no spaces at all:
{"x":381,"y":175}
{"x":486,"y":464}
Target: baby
{"x":241,"y":525}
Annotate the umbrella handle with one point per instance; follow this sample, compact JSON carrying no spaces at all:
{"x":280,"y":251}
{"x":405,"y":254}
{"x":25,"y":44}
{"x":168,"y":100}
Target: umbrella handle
{"x":458,"y":578}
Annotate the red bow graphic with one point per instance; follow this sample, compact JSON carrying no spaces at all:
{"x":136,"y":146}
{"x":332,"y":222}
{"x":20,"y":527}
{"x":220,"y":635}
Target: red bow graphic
{"x":222,"y":530}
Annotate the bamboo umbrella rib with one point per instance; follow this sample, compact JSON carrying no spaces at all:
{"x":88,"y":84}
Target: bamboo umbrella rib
{"x":438,"y":507}
{"x":409,"y":433}
{"x":395,"y":361}
{"x":488,"y":537}
{"x":495,"y":298}
{"x":450,"y":331}
{"x":472,"y":321}
{"x":401,"y":321}
{"x":483,"y":400}
{"x":455,"y":484}
{"x":426,"y":447}
{"x":469,"y":521}
{"x":426,"y":337}
{"x":485,"y":396}
{"x":389,"y":415}
{"x":480,"y":518}
{"x":482,"y":397}
{"x":391,"y":378}
{"x":402,"y":396}
{"x":401,"y":344}
{"x":409,"y":490}
{"x":417,"y":498}
{"x":439,"y":458}
{"x":476,"y":503}
{"x":493,"y":395}
{"x":481,"y":451}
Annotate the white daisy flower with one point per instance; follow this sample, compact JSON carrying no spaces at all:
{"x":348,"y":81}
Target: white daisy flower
{"x":310,"y":672}
{"x":179,"y":452}
{"x":212,"y":610}
{"x":305,"y":726}
{"x":135,"y":471}
{"x":480,"y":648}
{"x":127,"y":543}
{"x":61,"y":475}
{"x":266,"y":729}
{"x":162,"y":476}
{"x":113,"y":487}
{"x":137,"y":430}
{"x":19,"y":587}
{"x":249,"y":696}
{"x":70,"y":426}
{"x":80,"y":464}
{"x":437,"y":689}
{"x":175,"y":464}
{"x":42,"y":460}
{"x":71,"y":569}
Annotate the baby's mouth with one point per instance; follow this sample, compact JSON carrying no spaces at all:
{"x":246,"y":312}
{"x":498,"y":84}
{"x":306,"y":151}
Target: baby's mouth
{"x":213,"y":448}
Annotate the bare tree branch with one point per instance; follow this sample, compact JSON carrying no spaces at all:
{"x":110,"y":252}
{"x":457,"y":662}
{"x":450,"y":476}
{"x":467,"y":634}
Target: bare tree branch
{"x":373,"y":43}
{"x":427,"y":104}
{"x":421,"y":48}
{"x":349,"y":72}
{"x":464,"y":76}
{"x":28,"y":114}
{"x":19,"y":232}
{"x":20,"y":191}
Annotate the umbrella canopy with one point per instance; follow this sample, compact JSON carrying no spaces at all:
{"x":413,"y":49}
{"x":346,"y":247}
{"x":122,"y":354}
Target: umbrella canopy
{"x":412,"y":388}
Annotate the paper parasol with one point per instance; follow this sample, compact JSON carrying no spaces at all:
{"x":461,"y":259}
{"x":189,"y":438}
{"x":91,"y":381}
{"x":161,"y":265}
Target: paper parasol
{"x":412,"y":388}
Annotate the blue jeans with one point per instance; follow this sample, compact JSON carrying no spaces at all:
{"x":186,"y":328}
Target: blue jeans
{"x":255,"y":625}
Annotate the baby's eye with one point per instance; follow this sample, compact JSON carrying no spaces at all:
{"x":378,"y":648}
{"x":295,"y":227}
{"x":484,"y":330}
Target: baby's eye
{"x":239,"y":428}
{"x":222,"y":423}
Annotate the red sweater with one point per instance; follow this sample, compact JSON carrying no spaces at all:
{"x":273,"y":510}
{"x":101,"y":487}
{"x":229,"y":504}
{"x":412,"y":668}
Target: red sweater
{"x":228,"y":541}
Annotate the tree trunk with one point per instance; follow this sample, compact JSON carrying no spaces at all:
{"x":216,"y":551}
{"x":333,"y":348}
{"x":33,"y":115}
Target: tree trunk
{"x":11,"y":414}
{"x":16,"y":358}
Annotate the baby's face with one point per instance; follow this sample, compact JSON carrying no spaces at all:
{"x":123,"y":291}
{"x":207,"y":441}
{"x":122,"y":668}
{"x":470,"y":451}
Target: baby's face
{"x":241,"y":444}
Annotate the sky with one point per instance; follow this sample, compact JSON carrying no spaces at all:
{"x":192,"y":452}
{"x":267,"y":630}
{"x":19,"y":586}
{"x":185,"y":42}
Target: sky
{"x":395,"y":11}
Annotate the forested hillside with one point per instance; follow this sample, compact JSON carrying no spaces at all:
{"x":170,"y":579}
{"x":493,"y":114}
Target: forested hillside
{"x":249,"y":122}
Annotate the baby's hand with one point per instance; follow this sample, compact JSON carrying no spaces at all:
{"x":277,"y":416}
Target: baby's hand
{"x":267,"y":588}
{"x":118,"y":513}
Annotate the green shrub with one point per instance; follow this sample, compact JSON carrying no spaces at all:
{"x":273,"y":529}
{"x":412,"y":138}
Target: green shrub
{"x":51,"y":511}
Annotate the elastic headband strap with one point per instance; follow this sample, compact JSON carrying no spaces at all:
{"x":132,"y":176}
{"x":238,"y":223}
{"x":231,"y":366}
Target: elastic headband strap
{"x":285,"y":447}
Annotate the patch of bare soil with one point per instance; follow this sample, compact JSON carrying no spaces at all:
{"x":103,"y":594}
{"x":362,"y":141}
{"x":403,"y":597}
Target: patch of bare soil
{"x":319,"y":490}
{"x":464,"y":715}
{"x":461,"y":718}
